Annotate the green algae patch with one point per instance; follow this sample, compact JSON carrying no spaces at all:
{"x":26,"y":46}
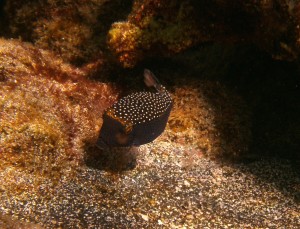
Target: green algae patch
{"x":49,"y":113}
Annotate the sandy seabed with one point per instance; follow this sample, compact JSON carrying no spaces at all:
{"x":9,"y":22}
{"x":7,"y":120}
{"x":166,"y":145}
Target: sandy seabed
{"x":162,"y":185}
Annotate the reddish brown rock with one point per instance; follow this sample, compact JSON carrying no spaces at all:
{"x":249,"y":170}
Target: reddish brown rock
{"x":49,"y":110}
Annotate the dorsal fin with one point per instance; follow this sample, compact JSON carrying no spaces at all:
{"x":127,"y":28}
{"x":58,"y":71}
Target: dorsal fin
{"x":151,"y":81}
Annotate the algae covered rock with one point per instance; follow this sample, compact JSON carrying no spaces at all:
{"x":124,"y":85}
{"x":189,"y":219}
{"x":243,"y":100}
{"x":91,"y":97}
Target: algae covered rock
{"x":156,"y":27}
{"x":49,"y":111}
{"x":75,"y":30}
{"x":80,"y":30}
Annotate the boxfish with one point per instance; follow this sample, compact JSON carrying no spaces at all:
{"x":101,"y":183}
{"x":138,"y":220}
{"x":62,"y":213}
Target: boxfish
{"x":138,"y":118}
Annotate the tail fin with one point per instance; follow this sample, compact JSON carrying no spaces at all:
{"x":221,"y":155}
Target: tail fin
{"x":101,"y":144}
{"x":150,"y":80}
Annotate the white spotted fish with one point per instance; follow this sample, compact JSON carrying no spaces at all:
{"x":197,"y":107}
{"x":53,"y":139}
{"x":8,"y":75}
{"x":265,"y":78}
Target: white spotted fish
{"x":138,"y":118}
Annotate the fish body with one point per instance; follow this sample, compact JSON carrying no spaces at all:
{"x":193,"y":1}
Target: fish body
{"x":138,"y":118}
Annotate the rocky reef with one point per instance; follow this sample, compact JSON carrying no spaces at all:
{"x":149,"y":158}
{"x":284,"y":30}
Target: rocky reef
{"x":136,"y":33}
{"x":76,"y":30}
{"x":79,"y":30}
{"x":157,"y":27}
{"x":232,"y":68}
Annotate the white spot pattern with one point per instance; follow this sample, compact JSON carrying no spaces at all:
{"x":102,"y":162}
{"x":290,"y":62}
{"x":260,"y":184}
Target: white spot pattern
{"x":141,"y":107}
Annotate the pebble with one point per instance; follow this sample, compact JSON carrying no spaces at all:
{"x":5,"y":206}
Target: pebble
{"x":145,"y":217}
{"x":186,"y":183}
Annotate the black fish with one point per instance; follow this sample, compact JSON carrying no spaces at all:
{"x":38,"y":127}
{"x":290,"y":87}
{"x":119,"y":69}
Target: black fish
{"x":138,"y":118}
